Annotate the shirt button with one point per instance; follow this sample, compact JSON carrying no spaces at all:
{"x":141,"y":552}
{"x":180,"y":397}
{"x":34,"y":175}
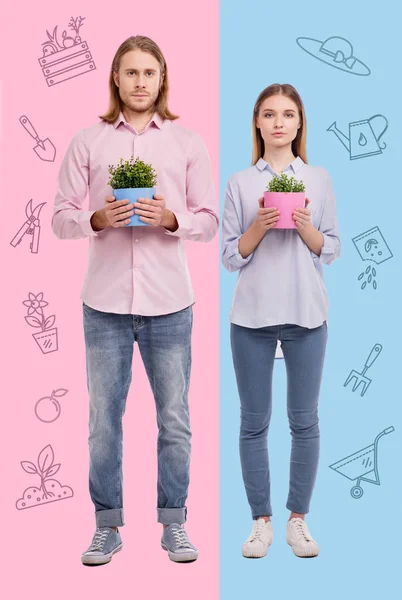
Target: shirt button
{"x":137,"y":240}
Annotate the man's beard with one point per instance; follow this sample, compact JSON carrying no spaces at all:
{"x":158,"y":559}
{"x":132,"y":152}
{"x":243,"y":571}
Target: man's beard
{"x":141,"y":107}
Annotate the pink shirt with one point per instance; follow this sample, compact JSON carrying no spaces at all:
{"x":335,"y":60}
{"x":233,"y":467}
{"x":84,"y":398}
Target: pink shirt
{"x":137,"y":270}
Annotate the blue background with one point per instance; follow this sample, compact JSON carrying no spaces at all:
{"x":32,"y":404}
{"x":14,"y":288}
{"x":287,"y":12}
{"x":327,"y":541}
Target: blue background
{"x":359,"y":539}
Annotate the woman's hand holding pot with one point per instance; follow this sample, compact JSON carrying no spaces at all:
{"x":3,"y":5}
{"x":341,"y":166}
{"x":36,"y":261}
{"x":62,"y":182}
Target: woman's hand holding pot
{"x":266,"y":217}
{"x":301,"y":216}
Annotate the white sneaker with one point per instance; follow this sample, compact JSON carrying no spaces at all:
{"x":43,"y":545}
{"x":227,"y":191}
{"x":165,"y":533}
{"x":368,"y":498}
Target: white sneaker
{"x":299,"y":538}
{"x":257,"y":543}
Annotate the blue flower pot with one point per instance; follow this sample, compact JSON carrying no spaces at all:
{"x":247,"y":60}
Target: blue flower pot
{"x":132,"y":194}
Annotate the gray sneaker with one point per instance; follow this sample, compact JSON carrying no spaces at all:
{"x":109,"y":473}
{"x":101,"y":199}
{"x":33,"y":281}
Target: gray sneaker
{"x":177,"y":544}
{"x":105,"y":543}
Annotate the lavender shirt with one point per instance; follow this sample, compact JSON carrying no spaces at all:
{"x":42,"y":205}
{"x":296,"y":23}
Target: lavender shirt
{"x":282,"y":280}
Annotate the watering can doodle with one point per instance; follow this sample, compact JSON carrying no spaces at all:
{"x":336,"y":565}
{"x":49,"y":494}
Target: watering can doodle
{"x":364,"y":137}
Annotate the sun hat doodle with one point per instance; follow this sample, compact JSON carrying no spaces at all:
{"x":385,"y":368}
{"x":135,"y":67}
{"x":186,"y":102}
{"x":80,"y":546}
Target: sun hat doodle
{"x":336,"y":52}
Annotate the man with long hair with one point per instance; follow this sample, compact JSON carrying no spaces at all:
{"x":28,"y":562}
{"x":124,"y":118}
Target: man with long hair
{"x":137,"y":285}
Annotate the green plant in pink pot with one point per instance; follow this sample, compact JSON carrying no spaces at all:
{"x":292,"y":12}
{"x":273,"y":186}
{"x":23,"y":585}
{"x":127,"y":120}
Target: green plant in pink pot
{"x":286,"y":194}
{"x":132,"y":179}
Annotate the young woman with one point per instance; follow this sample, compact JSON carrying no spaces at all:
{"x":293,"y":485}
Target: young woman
{"x":280,"y":295}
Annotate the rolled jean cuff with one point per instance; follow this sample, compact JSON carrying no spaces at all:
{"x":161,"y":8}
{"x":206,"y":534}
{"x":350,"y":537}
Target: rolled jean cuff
{"x":299,"y":509}
{"x":265,"y":511}
{"x":167,"y":516}
{"x":112,"y":517}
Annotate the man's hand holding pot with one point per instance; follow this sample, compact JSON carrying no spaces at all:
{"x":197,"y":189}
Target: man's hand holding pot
{"x":154,"y":212}
{"x":116,"y":213}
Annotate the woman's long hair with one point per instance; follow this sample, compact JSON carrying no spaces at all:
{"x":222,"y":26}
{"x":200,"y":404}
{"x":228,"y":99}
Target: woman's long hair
{"x":299,"y":143}
{"x":138,"y":42}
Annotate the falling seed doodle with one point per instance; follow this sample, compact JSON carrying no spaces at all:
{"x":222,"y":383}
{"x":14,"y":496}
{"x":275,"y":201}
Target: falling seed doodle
{"x":370,"y":278}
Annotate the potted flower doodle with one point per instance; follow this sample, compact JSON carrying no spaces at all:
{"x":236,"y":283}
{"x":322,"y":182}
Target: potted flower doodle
{"x":47,"y":337}
{"x":132,"y":180}
{"x":286,"y":194}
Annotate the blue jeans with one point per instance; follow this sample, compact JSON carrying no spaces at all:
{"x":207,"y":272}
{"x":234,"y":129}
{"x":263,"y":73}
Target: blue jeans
{"x":165,"y":347}
{"x":253,"y":353}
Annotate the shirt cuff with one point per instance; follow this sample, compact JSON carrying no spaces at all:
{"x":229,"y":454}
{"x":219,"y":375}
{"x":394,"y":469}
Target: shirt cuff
{"x":84,"y":220}
{"x":184,"y":225}
{"x":328,"y":251}
{"x":234,"y":257}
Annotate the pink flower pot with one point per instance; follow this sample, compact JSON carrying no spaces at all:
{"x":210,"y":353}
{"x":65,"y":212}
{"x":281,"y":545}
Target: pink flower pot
{"x":285,"y":202}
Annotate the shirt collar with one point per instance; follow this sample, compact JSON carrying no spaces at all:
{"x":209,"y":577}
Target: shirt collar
{"x":262,"y":164}
{"x":156,"y":119}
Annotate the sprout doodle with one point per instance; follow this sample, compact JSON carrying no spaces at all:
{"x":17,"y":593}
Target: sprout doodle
{"x":49,"y":490}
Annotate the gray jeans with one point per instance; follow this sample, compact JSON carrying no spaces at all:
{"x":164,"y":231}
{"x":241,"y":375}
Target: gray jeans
{"x":165,"y":347}
{"x":253,"y":353}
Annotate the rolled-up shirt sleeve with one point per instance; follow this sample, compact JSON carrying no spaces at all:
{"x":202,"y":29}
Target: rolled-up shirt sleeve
{"x":232,"y":230}
{"x":70,"y":220}
{"x":201,"y":221}
{"x":328,"y":226}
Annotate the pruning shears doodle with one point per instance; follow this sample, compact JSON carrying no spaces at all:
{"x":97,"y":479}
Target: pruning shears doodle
{"x":30,"y":227}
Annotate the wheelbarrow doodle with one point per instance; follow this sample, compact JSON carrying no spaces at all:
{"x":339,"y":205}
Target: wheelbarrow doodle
{"x":362,"y":465}
{"x":361,"y":377}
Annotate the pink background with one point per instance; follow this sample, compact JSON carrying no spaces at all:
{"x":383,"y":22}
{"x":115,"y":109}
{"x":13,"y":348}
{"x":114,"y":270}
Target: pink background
{"x":42,"y":545}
